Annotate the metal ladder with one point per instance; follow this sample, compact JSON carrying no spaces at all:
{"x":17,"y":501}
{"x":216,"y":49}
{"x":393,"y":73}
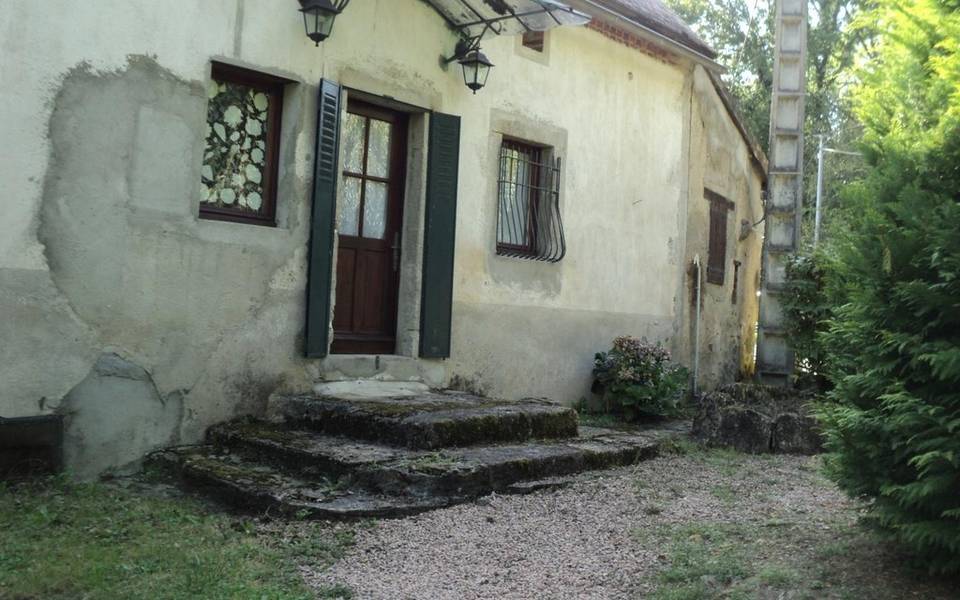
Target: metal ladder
{"x":784,"y":199}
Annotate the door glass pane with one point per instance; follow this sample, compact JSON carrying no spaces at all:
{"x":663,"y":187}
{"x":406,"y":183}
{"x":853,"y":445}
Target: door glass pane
{"x":378,"y":159}
{"x":353,"y":143}
{"x":348,"y":207}
{"x":375,"y":210}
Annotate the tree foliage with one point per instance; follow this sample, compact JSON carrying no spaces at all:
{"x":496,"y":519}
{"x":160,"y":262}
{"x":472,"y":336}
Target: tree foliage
{"x":892,"y":341}
{"x":743,"y":34}
{"x":806,"y":309}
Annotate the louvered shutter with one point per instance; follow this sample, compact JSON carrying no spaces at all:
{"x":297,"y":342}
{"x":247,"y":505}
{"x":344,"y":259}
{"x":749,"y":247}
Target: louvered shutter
{"x":439,"y":236}
{"x":717,"y":251}
{"x":320,"y":261}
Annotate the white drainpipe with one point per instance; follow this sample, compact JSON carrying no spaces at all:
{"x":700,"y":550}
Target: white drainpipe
{"x":696,"y":328}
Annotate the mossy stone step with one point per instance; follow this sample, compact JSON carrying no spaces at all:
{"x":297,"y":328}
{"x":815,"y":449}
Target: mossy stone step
{"x":428,"y":421}
{"x":303,"y":451}
{"x":251,"y":486}
{"x":259,"y":464}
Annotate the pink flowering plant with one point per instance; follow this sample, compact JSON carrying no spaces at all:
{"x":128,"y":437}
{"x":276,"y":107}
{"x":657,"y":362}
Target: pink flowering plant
{"x":639,"y":380}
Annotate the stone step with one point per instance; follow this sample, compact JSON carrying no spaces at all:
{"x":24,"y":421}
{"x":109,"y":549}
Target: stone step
{"x":426,"y":420}
{"x":258,"y":487}
{"x":263,"y":466}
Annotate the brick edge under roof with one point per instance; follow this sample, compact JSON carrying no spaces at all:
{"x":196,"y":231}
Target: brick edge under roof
{"x":655,"y":15}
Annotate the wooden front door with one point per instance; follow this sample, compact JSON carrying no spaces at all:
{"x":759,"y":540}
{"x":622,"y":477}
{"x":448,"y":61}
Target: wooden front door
{"x":369,"y":215}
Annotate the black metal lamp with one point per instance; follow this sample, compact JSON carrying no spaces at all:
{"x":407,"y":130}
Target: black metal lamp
{"x":476,"y":69}
{"x":319,"y":15}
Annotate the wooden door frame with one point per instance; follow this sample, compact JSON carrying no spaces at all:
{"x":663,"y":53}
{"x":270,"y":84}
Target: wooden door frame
{"x":353,"y":343}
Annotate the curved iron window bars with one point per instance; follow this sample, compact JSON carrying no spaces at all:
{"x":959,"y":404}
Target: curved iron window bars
{"x":528,"y":217}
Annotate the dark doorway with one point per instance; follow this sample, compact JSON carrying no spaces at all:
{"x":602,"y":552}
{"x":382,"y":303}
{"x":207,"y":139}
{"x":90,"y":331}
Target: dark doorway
{"x":369,"y":216}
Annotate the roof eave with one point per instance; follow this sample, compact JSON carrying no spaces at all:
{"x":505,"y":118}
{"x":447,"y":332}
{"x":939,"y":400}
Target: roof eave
{"x":639,"y":29}
{"x":756,"y":152}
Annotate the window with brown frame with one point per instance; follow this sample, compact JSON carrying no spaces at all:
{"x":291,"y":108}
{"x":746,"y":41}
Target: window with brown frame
{"x":534,"y":40}
{"x":717,"y":250}
{"x":528,"y":216}
{"x":239,"y":172}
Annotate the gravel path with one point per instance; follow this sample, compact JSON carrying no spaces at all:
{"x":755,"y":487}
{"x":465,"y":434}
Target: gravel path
{"x":583,"y":541}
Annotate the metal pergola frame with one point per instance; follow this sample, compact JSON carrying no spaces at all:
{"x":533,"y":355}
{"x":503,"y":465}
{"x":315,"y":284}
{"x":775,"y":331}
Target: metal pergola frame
{"x":469,"y":42}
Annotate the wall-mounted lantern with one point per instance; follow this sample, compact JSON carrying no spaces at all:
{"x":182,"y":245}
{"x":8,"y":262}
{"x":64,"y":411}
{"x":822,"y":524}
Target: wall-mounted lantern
{"x":476,"y":69}
{"x":476,"y":66}
{"x":319,"y":15}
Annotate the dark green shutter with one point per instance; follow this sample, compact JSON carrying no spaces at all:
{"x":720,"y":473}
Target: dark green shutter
{"x":439,"y":235}
{"x":320,"y":261}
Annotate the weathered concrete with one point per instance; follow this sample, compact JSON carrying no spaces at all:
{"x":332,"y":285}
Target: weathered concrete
{"x":387,"y":368}
{"x":131,"y":270}
{"x":115,"y":416}
{"x":38,"y":328}
{"x":366,"y":389}
{"x":163,"y":287}
{"x":428,"y":421}
{"x":757,"y":418}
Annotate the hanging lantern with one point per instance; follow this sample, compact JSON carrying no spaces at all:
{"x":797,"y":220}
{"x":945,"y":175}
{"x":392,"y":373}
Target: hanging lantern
{"x":319,"y":15}
{"x":476,"y":69}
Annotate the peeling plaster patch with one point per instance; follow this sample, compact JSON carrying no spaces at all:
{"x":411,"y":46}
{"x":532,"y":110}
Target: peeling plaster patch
{"x":114,"y":417}
{"x":134,"y":273}
{"x":122,"y":240}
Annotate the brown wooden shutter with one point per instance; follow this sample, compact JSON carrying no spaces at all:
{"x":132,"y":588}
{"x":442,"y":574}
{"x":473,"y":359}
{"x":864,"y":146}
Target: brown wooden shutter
{"x":717,"y":250}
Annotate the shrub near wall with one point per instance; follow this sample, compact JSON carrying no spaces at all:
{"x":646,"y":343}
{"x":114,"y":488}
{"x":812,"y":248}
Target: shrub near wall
{"x":893,"y":343}
{"x":806,"y":309}
{"x":639,"y":380}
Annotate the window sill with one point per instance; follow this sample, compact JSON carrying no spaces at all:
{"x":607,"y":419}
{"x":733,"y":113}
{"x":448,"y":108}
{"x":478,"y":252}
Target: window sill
{"x":525,"y":255}
{"x":209,"y":215}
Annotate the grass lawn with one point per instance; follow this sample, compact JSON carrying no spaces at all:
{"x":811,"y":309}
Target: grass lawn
{"x":63,"y":540}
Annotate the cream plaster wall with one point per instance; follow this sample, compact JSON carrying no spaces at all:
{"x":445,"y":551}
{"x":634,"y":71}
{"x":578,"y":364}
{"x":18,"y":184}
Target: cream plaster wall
{"x":101,"y":252}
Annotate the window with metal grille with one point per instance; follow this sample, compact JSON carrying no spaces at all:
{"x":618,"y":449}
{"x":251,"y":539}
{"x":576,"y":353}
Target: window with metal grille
{"x":717,"y":252}
{"x":528,"y":219}
{"x":534,"y":40}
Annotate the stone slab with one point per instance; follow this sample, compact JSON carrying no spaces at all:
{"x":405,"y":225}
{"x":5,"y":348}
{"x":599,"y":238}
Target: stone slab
{"x":256,"y":487}
{"x":428,"y":421}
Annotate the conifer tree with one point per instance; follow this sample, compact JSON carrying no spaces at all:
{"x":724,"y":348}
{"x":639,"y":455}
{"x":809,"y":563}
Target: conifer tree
{"x":892,"y":421}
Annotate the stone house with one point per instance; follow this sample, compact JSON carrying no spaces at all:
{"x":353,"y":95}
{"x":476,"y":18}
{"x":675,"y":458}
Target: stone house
{"x":203,"y":206}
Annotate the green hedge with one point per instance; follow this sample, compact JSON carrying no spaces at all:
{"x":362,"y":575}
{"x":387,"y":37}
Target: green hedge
{"x":891,"y":344}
